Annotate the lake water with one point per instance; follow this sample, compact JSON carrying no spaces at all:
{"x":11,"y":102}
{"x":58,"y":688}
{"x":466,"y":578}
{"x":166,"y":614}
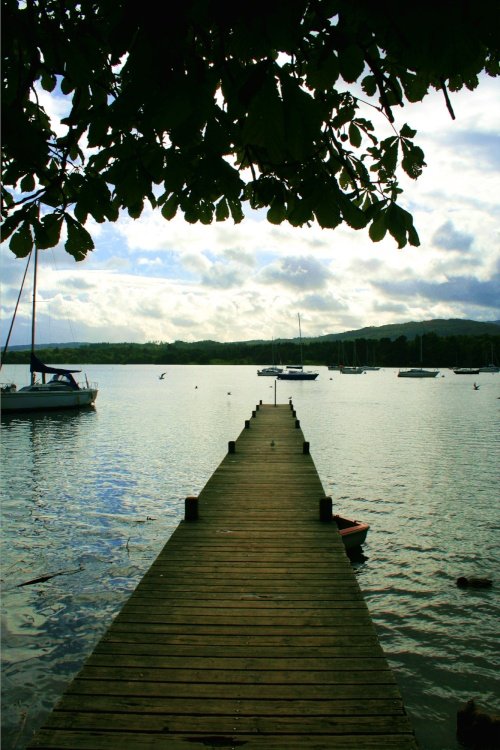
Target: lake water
{"x":93,"y":496}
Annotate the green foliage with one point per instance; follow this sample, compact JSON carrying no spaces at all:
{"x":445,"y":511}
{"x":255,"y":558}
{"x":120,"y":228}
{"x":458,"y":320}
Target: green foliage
{"x":439,"y":351}
{"x":205,"y":109}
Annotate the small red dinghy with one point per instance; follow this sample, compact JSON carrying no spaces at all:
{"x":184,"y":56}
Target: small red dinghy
{"x":353,"y":533}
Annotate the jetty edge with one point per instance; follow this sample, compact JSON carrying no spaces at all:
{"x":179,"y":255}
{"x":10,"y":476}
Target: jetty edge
{"x":249,"y":630}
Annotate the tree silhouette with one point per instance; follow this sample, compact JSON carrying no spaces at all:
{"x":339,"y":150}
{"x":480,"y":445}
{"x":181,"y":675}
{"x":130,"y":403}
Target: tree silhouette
{"x":208,"y":108}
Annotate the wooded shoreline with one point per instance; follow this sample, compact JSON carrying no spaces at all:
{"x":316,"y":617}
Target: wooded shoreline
{"x":438,"y":351}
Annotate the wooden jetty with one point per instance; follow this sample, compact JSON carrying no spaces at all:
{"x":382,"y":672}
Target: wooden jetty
{"x":248,"y":631}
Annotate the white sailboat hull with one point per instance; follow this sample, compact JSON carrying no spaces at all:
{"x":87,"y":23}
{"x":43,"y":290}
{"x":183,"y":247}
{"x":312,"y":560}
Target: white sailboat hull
{"x":43,"y":397}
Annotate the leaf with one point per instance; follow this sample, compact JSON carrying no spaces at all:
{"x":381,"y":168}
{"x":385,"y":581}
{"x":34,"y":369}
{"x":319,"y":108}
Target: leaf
{"x":352,"y":215}
{"x":10,"y":223}
{"x":299,"y":212}
{"x":413,"y":160}
{"x":389,"y":159}
{"x":265,"y":122}
{"x":277,"y":211}
{"x":369,"y":85}
{"x":354,"y":135}
{"x":48,"y":81}
{"x":415,"y":87}
{"x":323,"y":75}
{"x":21,"y":242}
{"x":135,"y":209}
{"x":66,"y":86}
{"x":52,"y":224}
{"x":235,"y":208}
{"x":413,"y":237}
{"x":327,"y":211}
{"x":378,"y":228}
{"x":407,"y":132}
{"x":221,"y":210}
{"x":79,"y":241}
{"x":351,"y":63}
{"x":27,"y":183}
{"x":344,"y":115}
{"x":169,"y":208}
{"x":399,"y":222}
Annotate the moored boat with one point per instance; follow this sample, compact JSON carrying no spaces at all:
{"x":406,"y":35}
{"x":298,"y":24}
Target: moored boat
{"x":417,"y":372}
{"x":351,"y":370}
{"x":62,"y":391}
{"x":270,"y":371}
{"x":466,"y":370}
{"x":353,"y":533}
{"x":297,"y":372}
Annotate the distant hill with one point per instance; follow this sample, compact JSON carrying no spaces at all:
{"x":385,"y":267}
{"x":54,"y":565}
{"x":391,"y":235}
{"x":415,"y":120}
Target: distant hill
{"x":439,"y":326}
{"x":393,"y":331}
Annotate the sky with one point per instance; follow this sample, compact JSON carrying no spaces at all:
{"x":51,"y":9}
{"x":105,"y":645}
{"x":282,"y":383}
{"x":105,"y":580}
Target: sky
{"x":152,"y":280}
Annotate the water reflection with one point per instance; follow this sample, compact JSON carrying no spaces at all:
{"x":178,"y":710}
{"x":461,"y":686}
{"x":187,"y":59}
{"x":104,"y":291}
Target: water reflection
{"x":100,"y":492}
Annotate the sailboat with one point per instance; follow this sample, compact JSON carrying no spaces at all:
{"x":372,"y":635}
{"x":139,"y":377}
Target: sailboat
{"x":297,"y":372}
{"x":418,"y":372}
{"x":354,"y":369}
{"x":272,"y":370}
{"x":62,"y":391}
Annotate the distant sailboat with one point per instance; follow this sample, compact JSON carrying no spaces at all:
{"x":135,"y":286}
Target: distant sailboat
{"x":297,"y":372}
{"x":273,"y":370}
{"x":418,"y":372}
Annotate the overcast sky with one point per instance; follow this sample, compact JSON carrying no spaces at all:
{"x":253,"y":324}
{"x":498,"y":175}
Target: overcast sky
{"x":153,"y":280}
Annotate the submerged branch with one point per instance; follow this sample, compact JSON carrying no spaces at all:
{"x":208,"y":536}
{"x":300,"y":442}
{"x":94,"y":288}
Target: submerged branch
{"x":42,"y":579}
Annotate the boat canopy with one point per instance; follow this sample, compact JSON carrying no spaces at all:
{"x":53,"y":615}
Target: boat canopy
{"x":60,"y":375}
{"x":36,"y":365}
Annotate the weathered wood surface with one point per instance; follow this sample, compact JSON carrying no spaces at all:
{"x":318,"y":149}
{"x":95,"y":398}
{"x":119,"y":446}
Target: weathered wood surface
{"x":249,"y":630}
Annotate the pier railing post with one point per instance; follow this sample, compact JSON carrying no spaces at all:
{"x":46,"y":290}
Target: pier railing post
{"x":191,"y":509}
{"x":231,"y":446}
{"x":247,"y":424}
{"x":325,"y":509}
{"x":305,"y":447}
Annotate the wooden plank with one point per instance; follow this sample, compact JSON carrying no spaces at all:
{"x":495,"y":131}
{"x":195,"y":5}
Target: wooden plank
{"x":249,"y":629}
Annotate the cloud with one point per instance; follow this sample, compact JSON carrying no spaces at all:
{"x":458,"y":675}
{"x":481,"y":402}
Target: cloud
{"x":223,"y":276}
{"x":296,"y":273}
{"x":449,"y":238}
{"x":484,"y":147}
{"x":465,"y":290}
{"x":323,"y":303}
{"x":150,"y":262}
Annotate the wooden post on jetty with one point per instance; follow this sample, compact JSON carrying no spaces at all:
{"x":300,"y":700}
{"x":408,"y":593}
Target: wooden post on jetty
{"x":249,"y":629}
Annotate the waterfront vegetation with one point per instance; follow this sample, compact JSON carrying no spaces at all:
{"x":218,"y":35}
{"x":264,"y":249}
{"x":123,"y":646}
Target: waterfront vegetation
{"x":438,"y":351}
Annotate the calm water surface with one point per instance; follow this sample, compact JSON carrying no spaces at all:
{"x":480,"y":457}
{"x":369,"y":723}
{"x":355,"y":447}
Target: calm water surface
{"x":93,"y":496}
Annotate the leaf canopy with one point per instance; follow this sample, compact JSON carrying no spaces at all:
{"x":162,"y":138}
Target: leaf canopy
{"x":204,"y":108}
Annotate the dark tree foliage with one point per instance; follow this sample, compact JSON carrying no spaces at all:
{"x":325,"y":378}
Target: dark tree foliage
{"x":206,"y":108}
{"x":439,"y":351}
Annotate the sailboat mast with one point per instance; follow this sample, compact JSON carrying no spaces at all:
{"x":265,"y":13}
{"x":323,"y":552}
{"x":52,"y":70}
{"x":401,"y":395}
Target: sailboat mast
{"x":33,"y":310}
{"x":300,"y":339}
